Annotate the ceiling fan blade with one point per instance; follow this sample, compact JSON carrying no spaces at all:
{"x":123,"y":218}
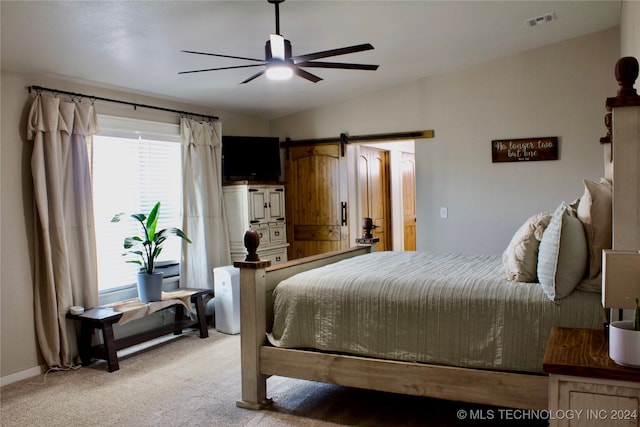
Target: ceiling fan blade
{"x":221,"y":68}
{"x":306,"y":75}
{"x":332,"y":52}
{"x":222,"y":56}
{"x":340,"y":65}
{"x":255,"y":76}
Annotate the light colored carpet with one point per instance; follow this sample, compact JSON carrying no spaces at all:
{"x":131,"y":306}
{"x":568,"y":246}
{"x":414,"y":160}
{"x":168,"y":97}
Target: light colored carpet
{"x":195,"y":382}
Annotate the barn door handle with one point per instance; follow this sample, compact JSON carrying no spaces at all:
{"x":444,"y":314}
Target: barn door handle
{"x":344,"y":213}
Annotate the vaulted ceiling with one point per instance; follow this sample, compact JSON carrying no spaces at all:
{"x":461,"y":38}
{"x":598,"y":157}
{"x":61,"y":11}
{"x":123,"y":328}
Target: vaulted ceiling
{"x":136,"y":45}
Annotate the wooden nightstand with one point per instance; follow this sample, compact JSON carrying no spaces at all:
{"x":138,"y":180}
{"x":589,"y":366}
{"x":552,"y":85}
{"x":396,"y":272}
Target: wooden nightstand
{"x":586,"y":388}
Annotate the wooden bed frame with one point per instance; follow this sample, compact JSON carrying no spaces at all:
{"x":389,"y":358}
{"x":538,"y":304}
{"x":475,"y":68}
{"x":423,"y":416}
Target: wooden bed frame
{"x":528,"y":391}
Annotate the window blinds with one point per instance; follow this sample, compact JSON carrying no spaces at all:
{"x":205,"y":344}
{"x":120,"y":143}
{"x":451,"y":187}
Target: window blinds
{"x":134,"y":165}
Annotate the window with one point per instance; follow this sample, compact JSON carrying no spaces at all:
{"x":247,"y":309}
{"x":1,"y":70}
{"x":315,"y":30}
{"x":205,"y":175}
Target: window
{"x":134,"y":164}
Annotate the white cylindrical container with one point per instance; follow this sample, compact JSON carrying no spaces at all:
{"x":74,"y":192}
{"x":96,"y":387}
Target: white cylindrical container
{"x":624,"y":344}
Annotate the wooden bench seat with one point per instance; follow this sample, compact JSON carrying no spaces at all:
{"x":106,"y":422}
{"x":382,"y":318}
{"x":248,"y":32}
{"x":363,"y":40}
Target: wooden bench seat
{"x":103,"y":318}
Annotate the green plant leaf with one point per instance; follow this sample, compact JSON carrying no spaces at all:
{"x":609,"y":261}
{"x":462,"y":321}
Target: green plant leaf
{"x":152,"y":221}
{"x":117,"y":217}
{"x":139,"y":217}
{"x":130,"y":242}
{"x":175,"y":232}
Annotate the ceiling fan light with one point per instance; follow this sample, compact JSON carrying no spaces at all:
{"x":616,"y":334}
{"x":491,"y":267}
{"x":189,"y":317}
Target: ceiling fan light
{"x":279,"y":72}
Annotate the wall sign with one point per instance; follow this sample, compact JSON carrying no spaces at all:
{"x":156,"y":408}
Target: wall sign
{"x":524,"y":149}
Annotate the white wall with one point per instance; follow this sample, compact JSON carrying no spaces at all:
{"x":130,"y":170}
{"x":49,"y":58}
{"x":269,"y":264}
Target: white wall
{"x":630,"y":29}
{"x":19,"y":355}
{"x":558,"y":90}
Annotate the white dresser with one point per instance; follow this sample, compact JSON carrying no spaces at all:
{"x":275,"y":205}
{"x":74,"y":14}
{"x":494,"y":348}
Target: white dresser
{"x":257,"y":207}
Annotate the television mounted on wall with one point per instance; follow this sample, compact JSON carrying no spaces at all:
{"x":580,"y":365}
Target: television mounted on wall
{"x":253,"y":158}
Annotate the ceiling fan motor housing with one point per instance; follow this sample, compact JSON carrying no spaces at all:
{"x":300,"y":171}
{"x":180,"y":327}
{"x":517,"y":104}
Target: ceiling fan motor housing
{"x":267,"y":51}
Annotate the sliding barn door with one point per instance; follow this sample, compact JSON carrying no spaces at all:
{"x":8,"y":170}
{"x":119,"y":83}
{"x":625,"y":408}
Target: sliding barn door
{"x":374,"y":190}
{"x":316,"y":200}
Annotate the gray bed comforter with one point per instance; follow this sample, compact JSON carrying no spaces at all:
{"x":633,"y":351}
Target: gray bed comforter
{"x":450,"y":309}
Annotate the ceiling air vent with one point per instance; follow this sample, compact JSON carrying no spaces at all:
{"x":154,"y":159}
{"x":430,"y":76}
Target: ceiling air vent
{"x":539,"y":20}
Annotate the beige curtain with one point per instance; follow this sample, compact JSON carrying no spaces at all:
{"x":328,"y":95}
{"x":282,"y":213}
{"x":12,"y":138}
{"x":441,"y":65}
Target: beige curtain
{"x":65,"y":248}
{"x":204,"y":219}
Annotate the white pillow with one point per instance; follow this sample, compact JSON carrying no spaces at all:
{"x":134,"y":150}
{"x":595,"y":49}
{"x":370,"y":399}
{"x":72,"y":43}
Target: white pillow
{"x":520,"y":259}
{"x":562,"y":256}
{"x":594,"y":210}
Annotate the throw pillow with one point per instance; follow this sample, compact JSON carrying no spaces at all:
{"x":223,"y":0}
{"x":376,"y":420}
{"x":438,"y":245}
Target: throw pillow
{"x":520,"y":259}
{"x":562,"y":256}
{"x":594,"y":210}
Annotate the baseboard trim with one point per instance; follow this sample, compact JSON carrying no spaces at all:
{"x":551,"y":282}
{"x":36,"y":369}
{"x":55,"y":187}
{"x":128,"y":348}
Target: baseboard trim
{"x":23,"y":375}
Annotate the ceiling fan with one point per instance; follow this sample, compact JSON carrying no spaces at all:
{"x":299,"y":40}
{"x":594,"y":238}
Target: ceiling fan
{"x":280,"y":65}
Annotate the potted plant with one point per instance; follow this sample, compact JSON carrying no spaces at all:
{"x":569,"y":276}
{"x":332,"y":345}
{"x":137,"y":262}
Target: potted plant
{"x":624,"y":340}
{"x":146,"y":249}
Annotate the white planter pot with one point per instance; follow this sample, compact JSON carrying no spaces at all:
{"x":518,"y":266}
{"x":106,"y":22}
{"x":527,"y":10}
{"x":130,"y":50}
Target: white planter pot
{"x":624,"y":344}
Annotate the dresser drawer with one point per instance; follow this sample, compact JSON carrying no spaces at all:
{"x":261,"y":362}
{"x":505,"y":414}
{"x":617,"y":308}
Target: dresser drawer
{"x":263,"y":231}
{"x":276,"y":256}
{"x":277,"y":233}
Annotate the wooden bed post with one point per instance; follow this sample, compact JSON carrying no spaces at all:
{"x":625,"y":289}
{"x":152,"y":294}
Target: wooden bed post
{"x":624,"y":135}
{"x":252,"y":332}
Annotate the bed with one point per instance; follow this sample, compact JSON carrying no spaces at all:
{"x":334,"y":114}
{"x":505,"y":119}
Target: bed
{"x":447,"y":309}
{"x":456,"y":327}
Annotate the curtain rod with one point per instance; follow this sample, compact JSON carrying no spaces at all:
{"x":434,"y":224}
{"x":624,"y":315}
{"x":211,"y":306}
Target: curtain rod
{"x":133,"y":104}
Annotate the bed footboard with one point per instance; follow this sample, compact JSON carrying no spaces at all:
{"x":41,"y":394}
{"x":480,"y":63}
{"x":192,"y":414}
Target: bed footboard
{"x":257,"y":281}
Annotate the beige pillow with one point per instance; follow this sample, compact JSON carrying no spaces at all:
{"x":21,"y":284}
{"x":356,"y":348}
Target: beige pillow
{"x":594,"y":211}
{"x":520,"y":259}
{"x":563,"y":254}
